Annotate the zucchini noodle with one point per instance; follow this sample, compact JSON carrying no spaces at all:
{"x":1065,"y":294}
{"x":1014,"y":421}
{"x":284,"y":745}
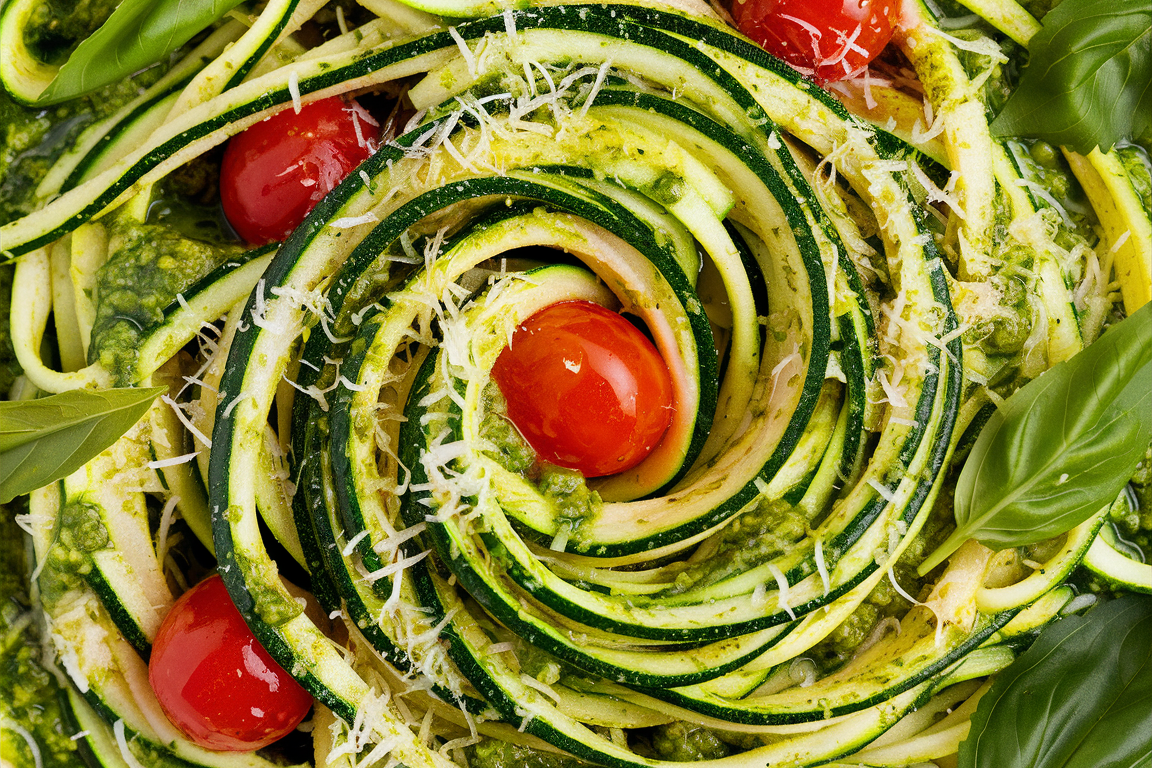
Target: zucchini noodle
{"x":843,"y":283}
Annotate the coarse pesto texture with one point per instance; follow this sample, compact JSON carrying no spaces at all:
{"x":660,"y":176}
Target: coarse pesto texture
{"x":1134,"y":526}
{"x":80,"y":532}
{"x":753,"y":538}
{"x":509,"y":448}
{"x":565,"y":489}
{"x":28,"y":693}
{"x":682,"y":742}
{"x":570,"y":495}
{"x":149,"y":267}
{"x":56,"y":27}
{"x":1044,"y":165}
{"x":492,"y":753}
{"x":33,"y":138}
{"x":886,"y":604}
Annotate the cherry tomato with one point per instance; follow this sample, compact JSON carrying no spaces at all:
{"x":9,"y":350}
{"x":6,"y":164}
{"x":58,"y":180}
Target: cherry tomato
{"x":277,"y":170}
{"x":215,"y":681}
{"x":832,"y":39}
{"x":586,"y":389}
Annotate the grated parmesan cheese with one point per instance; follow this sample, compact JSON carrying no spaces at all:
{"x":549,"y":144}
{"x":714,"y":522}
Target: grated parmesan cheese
{"x":294,"y":90}
{"x":821,"y":566}
{"x":782,"y":584}
{"x":883,"y":491}
{"x":122,"y":742}
{"x":348,"y":222}
{"x":33,"y":747}
{"x":173,"y":461}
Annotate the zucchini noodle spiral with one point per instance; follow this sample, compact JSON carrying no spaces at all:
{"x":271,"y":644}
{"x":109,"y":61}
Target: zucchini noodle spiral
{"x":820,"y":271}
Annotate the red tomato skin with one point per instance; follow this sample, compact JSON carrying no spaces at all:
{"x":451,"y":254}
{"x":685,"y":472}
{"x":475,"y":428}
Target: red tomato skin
{"x":276,"y":171}
{"x":215,"y":682}
{"x":586,"y":388}
{"x":819,"y":36}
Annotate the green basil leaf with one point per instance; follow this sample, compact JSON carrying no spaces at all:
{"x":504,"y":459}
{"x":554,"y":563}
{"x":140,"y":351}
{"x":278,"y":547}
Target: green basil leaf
{"x":1060,"y":448}
{"x":1089,"y":77}
{"x":137,"y":34}
{"x":1080,"y":697}
{"x":45,"y":440}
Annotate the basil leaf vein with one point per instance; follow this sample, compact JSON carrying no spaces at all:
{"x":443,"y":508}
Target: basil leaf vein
{"x":1088,"y":82}
{"x":44,"y":440}
{"x":1080,"y":697}
{"x":137,"y":34}
{"x":1061,"y":448}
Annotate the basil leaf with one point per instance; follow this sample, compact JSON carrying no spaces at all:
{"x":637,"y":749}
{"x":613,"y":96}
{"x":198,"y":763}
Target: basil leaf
{"x":1080,"y":697}
{"x":45,"y":440}
{"x":137,"y":34}
{"x":1089,"y":78}
{"x":1060,"y":448}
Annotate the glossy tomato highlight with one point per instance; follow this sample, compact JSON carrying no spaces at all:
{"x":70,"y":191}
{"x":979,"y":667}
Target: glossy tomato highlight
{"x":215,"y":682}
{"x":828,"y":39}
{"x":586,"y":388}
{"x":276,"y":171}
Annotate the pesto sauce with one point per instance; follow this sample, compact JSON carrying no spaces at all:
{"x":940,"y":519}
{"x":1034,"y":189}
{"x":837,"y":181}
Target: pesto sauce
{"x":493,"y":753}
{"x":1002,"y":334}
{"x":79,"y":532}
{"x":33,"y":138}
{"x":681,"y":741}
{"x":1044,"y":164}
{"x":29,"y":694}
{"x":568,"y":492}
{"x":148,"y":267}
{"x":1135,"y":525}
{"x":565,"y":489}
{"x":753,"y":538}
{"x":509,"y":448}
{"x":884,"y":600}
{"x":56,"y":27}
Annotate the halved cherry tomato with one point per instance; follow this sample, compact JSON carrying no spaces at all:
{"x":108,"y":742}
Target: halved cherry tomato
{"x":830,"y":39}
{"x":586,"y":388}
{"x":213,"y":679}
{"x":275,"y":172}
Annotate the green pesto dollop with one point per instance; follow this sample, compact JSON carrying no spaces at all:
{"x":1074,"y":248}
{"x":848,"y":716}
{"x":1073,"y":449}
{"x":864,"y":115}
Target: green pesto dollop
{"x":683,"y":742}
{"x":1044,"y":164}
{"x":568,"y":492}
{"x":80,"y":532}
{"x":1134,"y":525}
{"x":566,"y":489}
{"x":1005,"y":331}
{"x":755,"y":537}
{"x":149,"y":267}
{"x":31,"y":695}
{"x":493,"y":753}
{"x":509,"y":448}
{"x":56,"y":27}
{"x":33,"y":138}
